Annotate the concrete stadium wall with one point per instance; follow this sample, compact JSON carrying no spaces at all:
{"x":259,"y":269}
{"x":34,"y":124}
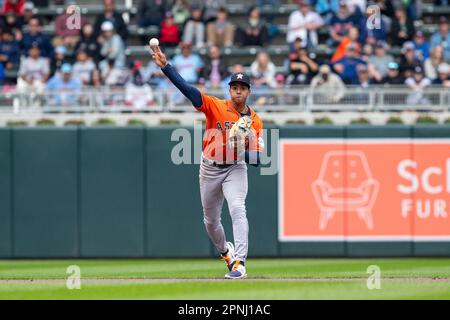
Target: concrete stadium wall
{"x":114,"y":192}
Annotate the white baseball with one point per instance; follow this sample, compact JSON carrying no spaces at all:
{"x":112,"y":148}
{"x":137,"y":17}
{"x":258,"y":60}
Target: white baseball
{"x":154,"y":42}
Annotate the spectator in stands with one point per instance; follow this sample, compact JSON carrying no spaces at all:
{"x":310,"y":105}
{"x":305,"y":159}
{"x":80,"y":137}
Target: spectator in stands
{"x":35,"y":36}
{"x":326,"y":86}
{"x":83,"y":67}
{"x":351,"y":37}
{"x":386,"y":9}
{"x":263,"y":77}
{"x":378,"y":63}
{"x":346,"y":67}
{"x":442,"y":37}
{"x":33,"y":72}
{"x":13,"y":23}
{"x":169,"y":33}
{"x":138,"y":94}
{"x":211,"y":8}
{"x":402,"y":27}
{"x":180,"y":12}
{"x":153,"y":75}
{"x":66,"y":33}
{"x":151,"y":12}
{"x":417,"y":83}
{"x":110,"y":14}
{"x":221,"y":31}
{"x":422,"y":47}
{"x":88,"y":43}
{"x":96,"y":86}
{"x":64,"y":89}
{"x":28,"y":13}
{"x":112,"y":75}
{"x":95,"y":79}
{"x":303,"y":23}
{"x":340,"y":24}
{"x":363,"y":81}
{"x":431,"y":64}
{"x":215,"y":70}
{"x":254,"y":30}
{"x":393,"y":76}
{"x":367,"y":51}
{"x":408,"y":61}
{"x":58,"y":60}
{"x":301,"y":66}
{"x":112,"y":47}
{"x":443,"y":77}
{"x":263,"y":71}
{"x":188,"y":64}
{"x":16,"y":6}
{"x":9,"y":51}
{"x":441,"y":2}
{"x":194,"y":30}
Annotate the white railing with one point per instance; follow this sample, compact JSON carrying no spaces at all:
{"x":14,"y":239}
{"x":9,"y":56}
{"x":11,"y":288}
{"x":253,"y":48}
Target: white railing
{"x":117,"y":100}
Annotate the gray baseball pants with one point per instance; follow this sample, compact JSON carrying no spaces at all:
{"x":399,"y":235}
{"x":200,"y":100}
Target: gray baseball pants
{"x":215,"y":185}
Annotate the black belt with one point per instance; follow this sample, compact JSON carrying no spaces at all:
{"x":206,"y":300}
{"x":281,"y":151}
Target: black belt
{"x":219,"y":165}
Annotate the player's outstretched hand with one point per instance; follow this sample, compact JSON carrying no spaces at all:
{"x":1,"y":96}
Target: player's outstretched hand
{"x":158,"y":56}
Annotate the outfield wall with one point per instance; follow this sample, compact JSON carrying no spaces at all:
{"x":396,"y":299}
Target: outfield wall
{"x":114,"y":192}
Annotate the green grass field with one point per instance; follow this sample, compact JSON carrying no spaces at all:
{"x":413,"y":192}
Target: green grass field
{"x":203,"y":279}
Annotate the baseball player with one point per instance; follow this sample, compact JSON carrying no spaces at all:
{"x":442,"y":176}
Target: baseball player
{"x":233,"y":137}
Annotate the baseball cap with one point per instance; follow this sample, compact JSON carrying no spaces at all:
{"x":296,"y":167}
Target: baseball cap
{"x":443,"y":19}
{"x":66,"y":68}
{"x":392,"y":65}
{"x":169,"y":14}
{"x":107,"y":26}
{"x":29,"y":6}
{"x":419,"y":34}
{"x":418,"y":69}
{"x":240,"y":77}
{"x":60,"y":49}
{"x":408,"y":45}
{"x":380,"y":44}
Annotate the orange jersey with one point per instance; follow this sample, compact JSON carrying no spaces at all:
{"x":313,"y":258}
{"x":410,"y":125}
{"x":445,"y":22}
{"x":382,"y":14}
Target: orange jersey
{"x":220,"y":117}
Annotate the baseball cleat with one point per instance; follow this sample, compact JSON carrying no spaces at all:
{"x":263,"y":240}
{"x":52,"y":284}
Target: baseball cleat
{"x":238,"y":271}
{"x":229,"y":256}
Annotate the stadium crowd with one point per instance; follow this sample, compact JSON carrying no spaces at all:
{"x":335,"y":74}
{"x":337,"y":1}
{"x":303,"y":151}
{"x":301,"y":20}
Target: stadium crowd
{"x":95,"y":54}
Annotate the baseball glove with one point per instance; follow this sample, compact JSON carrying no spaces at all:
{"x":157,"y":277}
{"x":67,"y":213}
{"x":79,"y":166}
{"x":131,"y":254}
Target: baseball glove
{"x":239,"y":132}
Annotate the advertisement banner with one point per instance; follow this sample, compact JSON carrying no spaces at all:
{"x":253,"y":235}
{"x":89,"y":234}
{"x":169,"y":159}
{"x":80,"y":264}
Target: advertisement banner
{"x":364,"y":189}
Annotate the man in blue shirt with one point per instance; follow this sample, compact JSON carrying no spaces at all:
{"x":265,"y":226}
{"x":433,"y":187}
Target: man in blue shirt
{"x":347,"y":66}
{"x":35,"y":36}
{"x":422,"y":46}
{"x":442,"y":37}
{"x":188,"y":64}
{"x":9,"y":51}
{"x":64,"y":87}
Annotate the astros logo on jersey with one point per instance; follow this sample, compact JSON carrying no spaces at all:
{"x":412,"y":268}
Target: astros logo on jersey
{"x":220,"y":117}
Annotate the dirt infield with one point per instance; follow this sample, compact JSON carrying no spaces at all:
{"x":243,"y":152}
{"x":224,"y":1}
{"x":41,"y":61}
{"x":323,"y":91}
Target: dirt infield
{"x":179,"y":280}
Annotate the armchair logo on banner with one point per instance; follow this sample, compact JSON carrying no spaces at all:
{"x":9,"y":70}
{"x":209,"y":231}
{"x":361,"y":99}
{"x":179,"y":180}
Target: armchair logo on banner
{"x":364,"y":189}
